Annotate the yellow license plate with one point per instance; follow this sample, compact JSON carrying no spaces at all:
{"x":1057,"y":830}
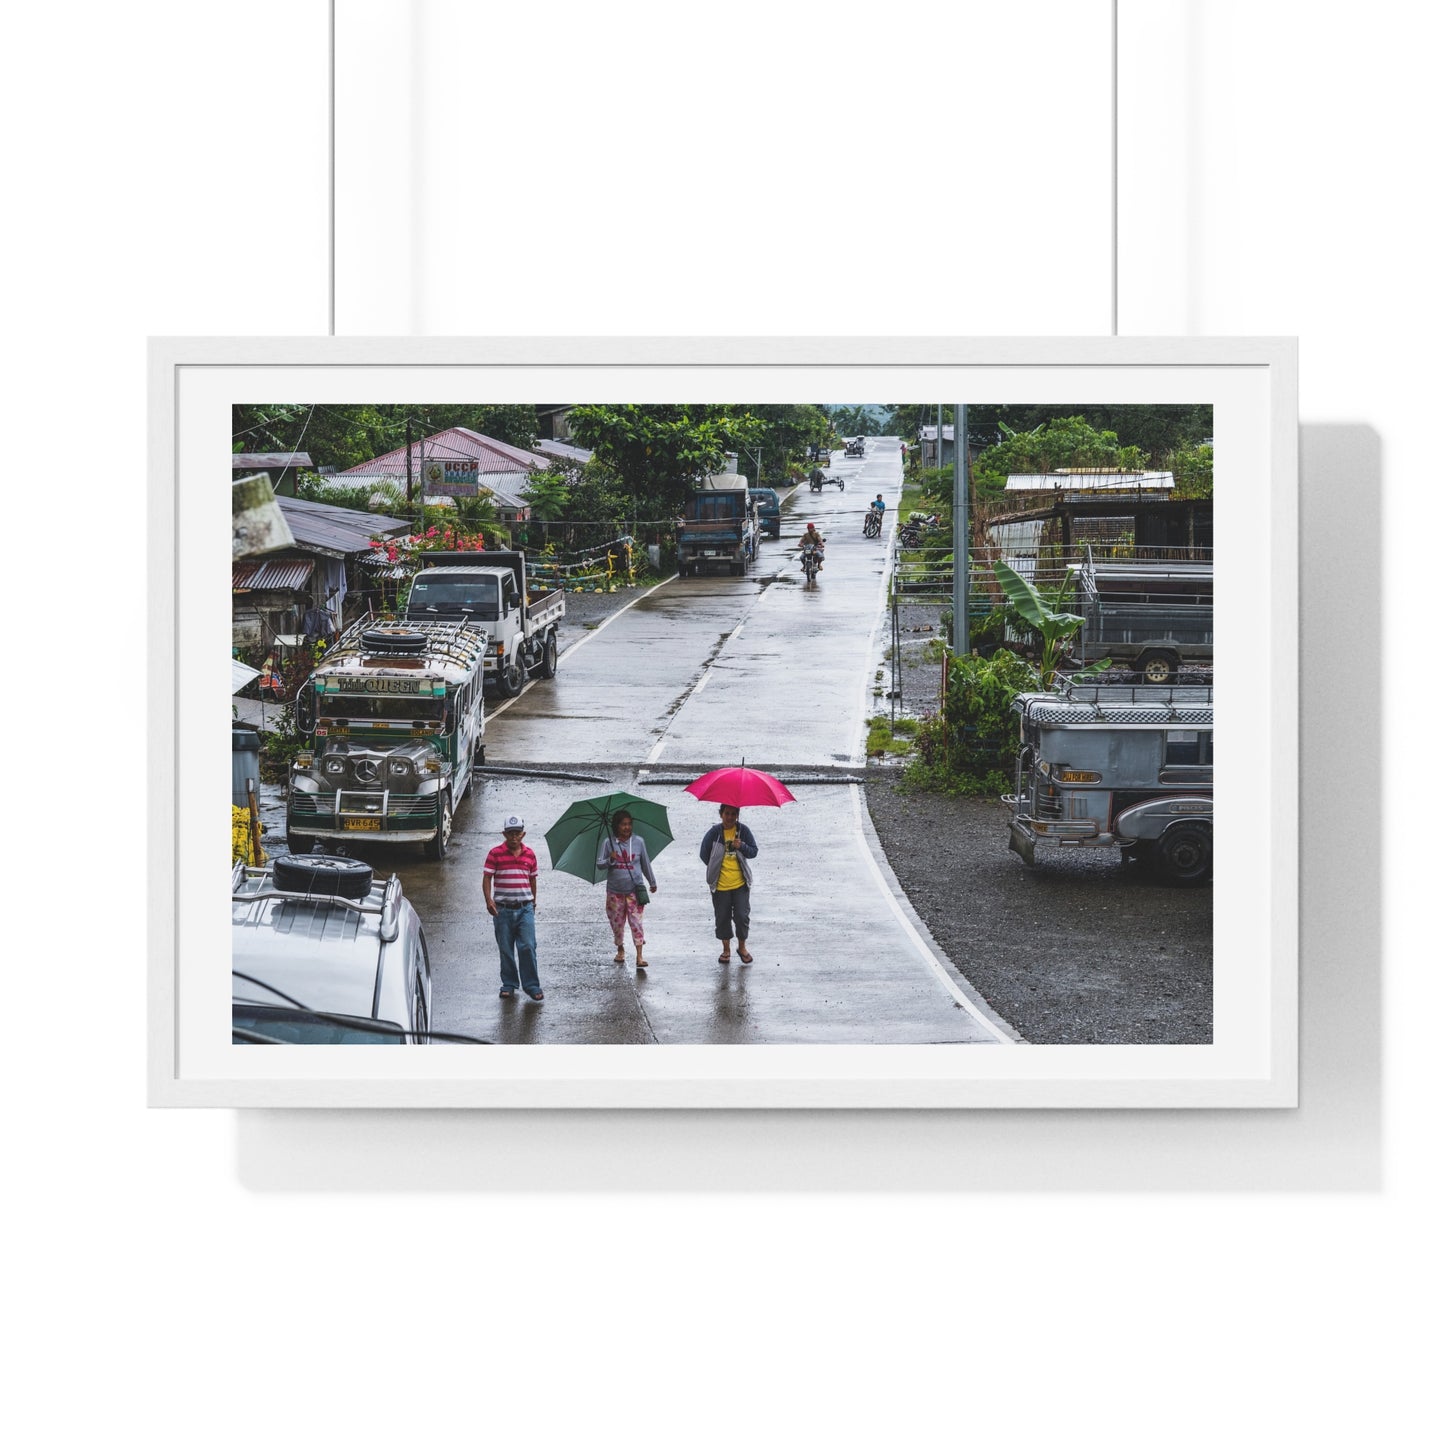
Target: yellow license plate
{"x":362,"y":825}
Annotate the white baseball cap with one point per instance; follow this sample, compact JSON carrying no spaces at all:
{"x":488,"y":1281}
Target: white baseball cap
{"x":512,"y":821}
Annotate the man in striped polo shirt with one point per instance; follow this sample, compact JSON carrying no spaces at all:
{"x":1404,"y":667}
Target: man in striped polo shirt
{"x":509,"y":884}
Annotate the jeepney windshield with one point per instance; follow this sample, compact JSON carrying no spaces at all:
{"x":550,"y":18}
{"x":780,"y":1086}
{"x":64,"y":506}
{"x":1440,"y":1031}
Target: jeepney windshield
{"x":434,"y":594}
{"x":390,"y":708}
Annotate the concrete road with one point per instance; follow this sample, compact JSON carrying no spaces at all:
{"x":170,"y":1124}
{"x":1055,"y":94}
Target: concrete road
{"x":700,"y":673}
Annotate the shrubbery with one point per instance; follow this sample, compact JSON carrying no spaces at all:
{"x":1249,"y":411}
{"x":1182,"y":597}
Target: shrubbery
{"x":971,"y":745}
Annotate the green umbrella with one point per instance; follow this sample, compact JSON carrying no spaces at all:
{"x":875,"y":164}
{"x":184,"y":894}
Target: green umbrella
{"x":575,"y":839}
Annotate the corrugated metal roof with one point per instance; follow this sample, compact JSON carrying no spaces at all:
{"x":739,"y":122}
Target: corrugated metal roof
{"x":336,"y":531}
{"x":279,"y":573}
{"x":456,"y":441}
{"x":1096,"y":481}
{"x":252,"y":461}
{"x":565,"y":450}
{"x":377,"y":566}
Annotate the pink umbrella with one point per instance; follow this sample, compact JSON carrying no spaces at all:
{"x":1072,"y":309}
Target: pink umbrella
{"x":741,"y":787}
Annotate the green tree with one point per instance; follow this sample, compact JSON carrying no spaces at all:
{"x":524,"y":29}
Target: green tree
{"x":1193,"y":469}
{"x":854,"y":421}
{"x":1062,"y":441}
{"x":344,"y":436}
{"x":1054,"y":627}
{"x":1155,"y":430}
{"x":658,"y":453}
{"x":783,"y":434}
{"x":548,"y":495}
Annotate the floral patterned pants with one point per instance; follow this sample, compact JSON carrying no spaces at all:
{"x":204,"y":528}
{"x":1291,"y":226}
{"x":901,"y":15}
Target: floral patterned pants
{"x":622,"y":906}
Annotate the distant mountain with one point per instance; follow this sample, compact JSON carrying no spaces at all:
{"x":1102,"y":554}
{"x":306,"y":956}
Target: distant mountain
{"x":878,"y":413}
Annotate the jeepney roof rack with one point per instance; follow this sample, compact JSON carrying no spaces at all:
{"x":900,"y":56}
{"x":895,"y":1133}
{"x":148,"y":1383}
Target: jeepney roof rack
{"x":1143,"y":704}
{"x":460,"y":642}
{"x":1108,"y":694}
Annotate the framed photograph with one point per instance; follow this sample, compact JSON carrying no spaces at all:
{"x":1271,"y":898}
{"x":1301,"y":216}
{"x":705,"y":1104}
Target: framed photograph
{"x":729,"y":735}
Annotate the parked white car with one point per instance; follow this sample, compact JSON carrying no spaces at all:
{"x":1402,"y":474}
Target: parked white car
{"x":321,"y":953}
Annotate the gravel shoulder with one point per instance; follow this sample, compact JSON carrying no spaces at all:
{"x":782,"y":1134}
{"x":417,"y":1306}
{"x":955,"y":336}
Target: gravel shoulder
{"x":1080,"y":948}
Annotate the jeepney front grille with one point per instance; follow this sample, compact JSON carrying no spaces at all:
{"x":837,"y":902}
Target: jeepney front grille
{"x":1046,"y":806}
{"x":412,"y":805}
{"x":357,"y":804}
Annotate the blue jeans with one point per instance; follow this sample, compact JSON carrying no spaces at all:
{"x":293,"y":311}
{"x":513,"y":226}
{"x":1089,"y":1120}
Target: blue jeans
{"x":516,"y":931}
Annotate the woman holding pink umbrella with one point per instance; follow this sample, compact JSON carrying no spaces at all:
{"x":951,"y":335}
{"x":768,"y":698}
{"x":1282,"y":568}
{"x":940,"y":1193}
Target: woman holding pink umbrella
{"x":727,"y":848}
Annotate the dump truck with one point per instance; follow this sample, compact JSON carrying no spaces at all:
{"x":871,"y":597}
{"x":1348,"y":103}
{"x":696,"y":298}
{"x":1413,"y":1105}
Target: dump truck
{"x":718,"y":527}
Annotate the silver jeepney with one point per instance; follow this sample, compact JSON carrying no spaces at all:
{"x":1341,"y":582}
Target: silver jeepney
{"x":1109,"y":765}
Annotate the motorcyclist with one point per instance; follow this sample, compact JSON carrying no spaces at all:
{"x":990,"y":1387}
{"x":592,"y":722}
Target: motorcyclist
{"x":874,"y":517}
{"x":812,"y":538}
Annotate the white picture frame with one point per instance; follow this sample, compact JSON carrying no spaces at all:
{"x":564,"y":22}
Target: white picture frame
{"x":1252,"y":384}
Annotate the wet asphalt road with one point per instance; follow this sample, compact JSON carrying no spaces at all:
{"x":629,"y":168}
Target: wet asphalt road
{"x":700,"y":673}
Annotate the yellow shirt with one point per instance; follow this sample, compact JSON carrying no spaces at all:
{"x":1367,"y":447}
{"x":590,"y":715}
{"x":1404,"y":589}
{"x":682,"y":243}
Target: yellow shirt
{"x":732,"y":873}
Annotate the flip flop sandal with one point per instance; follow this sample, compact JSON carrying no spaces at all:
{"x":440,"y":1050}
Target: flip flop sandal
{"x":746,"y":957}
{"x":508,"y":993}
{"x":619,"y":957}
{"x":724,"y":958}
{"x":642,"y":963}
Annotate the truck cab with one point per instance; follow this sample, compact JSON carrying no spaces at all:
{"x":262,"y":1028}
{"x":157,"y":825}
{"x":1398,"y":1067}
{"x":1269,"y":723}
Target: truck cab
{"x":493,"y":590}
{"x":1117,"y":766}
{"x":718,"y":527}
{"x":770,"y":510}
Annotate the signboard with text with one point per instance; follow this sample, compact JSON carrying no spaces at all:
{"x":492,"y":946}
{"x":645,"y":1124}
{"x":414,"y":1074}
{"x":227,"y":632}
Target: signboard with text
{"x":451,"y":476}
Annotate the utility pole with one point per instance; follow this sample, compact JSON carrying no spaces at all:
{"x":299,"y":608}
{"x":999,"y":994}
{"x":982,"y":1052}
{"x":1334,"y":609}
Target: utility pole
{"x":408,"y":462}
{"x":960,"y":526}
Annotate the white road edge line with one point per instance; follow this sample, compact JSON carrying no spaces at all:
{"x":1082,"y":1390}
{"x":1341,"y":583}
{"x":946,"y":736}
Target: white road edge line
{"x":860,"y":748}
{"x":572,"y":647}
{"x":924,"y":951}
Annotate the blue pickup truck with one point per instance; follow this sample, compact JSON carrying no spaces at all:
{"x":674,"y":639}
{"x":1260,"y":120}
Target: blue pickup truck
{"x":718,"y":527}
{"x":770,"y":512}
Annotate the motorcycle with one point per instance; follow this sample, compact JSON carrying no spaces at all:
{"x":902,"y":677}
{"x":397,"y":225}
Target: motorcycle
{"x":812,"y":559}
{"x":917,"y":527}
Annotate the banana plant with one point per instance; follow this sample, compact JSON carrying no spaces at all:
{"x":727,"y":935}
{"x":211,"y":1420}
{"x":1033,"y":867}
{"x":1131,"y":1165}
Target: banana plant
{"x":1055,"y":628}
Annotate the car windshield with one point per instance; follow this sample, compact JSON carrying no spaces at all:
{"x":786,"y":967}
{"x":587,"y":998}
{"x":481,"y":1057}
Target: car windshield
{"x":297,"y":1026}
{"x":395,"y":709}
{"x":457,"y":596}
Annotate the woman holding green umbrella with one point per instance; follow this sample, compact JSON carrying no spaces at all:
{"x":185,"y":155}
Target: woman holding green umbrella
{"x":613,"y":838}
{"x":624,"y":855}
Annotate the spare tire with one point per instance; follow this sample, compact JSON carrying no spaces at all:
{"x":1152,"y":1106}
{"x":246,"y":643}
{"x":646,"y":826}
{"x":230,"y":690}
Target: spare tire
{"x":322,"y":875}
{"x":393,"y":639}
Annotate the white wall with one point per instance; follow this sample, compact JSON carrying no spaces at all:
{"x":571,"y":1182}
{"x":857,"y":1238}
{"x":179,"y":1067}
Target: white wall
{"x":1122,"y":1277}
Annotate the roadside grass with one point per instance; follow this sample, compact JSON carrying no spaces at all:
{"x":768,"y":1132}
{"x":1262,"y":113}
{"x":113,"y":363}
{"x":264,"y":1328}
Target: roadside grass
{"x":886,"y":737}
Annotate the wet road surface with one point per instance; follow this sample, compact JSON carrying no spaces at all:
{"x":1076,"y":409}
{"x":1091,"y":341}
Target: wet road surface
{"x":697,"y":674}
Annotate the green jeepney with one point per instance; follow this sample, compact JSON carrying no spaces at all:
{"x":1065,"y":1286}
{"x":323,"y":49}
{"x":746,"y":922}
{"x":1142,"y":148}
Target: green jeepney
{"x":396,"y":718}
